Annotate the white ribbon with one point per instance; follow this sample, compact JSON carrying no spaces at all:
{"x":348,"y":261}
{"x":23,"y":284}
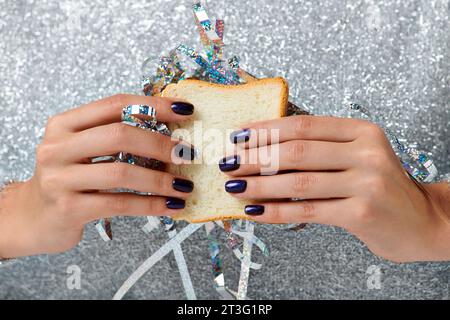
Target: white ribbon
{"x":245,"y":265}
{"x":157,"y":256}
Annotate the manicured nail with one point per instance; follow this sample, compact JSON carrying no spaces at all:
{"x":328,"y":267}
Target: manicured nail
{"x":254,"y":210}
{"x":175,"y":204}
{"x":182,"y":185}
{"x":230,"y":163}
{"x":236,"y":186}
{"x":185,"y":152}
{"x":183,"y":108}
{"x":240,"y":136}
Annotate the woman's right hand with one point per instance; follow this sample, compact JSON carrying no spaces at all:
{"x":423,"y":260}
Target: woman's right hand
{"x":47,"y":213}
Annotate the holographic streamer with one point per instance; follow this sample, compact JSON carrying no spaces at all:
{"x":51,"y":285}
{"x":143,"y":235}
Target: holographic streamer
{"x":130,"y":113}
{"x":241,"y":256}
{"x":220,"y":28}
{"x":157,"y":74}
{"x":103,"y":227}
{"x":205,"y":22}
{"x":418,"y":164}
{"x":215,"y":74}
{"x":250,"y":237}
{"x":216,"y":262}
{"x":233,"y":243}
{"x":153,"y":259}
{"x":152,"y":224}
{"x":144,"y":117}
{"x":233,"y":62}
{"x":208,"y":46}
{"x":182,"y":267}
{"x":245,"y":266}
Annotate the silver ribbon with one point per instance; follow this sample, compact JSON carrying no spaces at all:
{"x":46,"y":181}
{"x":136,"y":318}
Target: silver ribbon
{"x":171,"y":245}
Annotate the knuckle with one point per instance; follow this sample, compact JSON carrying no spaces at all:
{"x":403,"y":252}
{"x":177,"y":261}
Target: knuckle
{"x":302,"y":124}
{"x":296,"y":151}
{"x":45,"y":153}
{"x":160,"y":183}
{"x":376,"y":186}
{"x":164,"y":144}
{"x":66,"y":205}
{"x":373,"y":131}
{"x":365,"y":211}
{"x":374,"y":158}
{"x":308,"y":210}
{"x":256,"y":188}
{"x":275,"y":213}
{"x":119,"y":134}
{"x":302,"y":183}
{"x":118,"y":100}
{"x":152,"y":206}
{"x":53,"y":122}
{"x":49,"y":181}
{"x":118,"y":173}
{"x":119,"y":204}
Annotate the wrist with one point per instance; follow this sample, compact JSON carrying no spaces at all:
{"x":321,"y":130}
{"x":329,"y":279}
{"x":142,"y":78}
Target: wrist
{"x":11,"y":200}
{"x":440,"y":199}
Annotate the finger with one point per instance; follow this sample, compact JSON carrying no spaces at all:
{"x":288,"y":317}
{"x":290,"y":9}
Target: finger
{"x":93,"y":206}
{"x":109,"y":176}
{"x":118,"y":137}
{"x":303,"y":185}
{"x":299,"y":128}
{"x":336,"y":212}
{"x":109,"y":110}
{"x":290,"y":155}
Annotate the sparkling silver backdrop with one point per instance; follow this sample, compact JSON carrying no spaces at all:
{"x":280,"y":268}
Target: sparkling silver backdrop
{"x":391,"y":55}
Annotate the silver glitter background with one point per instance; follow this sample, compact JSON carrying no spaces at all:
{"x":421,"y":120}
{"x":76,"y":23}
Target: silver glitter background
{"x":391,"y":55}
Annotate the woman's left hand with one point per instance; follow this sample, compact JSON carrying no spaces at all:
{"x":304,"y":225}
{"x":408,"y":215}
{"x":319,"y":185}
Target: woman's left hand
{"x":347,"y":175}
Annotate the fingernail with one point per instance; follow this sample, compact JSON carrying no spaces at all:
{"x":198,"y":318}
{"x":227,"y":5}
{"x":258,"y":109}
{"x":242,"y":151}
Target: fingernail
{"x":183,"y":108}
{"x":240,"y":136}
{"x":230,"y":164}
{"x":185,"y":152}
{"x":236,"y":186}
{"x":254,"y":210}
{"x":182,"y":185}
{"x":175,"y":204}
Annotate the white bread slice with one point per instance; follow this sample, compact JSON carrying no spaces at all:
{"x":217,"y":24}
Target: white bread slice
{"x":223,"y":108}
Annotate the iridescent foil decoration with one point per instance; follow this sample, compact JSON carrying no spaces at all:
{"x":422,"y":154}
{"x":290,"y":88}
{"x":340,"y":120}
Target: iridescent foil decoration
{"x":209,"y":65}
{"x":144,"y":117}
{"x":419,"y":166}
{"x":216,"y":262}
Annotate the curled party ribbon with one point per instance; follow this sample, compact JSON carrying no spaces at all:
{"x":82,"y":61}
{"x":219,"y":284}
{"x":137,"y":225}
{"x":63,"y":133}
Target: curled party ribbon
{"x":216,"y":263}
{"x":144,"y":117}
{"x":207,"y":64}
{"x":416,"y":163}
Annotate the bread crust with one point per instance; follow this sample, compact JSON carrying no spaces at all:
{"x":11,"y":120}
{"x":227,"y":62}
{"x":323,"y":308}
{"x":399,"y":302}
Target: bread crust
{"x":283,"y":82}
{"x":282,"y":113}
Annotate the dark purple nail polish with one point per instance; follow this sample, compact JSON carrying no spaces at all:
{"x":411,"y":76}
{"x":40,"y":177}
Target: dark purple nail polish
{"x":183,"y":108}
{"x":175,"y":204}
{"x":185,"y":152}
{"x":230,"y":163}
{"x":183,"y":185}
{"x":240,"y":136}
{"x":236,"y":186}
{"x":254,"y":210}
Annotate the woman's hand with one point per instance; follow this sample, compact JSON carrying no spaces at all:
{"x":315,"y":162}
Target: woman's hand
{"x":47,"y":213}
{"x":348,"y":175}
